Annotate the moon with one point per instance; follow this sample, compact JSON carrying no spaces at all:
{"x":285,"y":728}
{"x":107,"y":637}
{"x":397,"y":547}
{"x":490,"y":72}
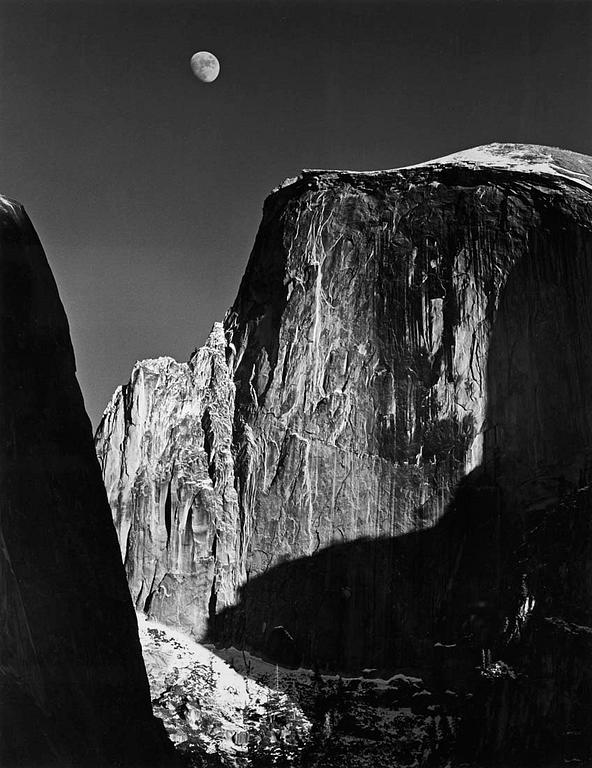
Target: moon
{"x":205,"y":66}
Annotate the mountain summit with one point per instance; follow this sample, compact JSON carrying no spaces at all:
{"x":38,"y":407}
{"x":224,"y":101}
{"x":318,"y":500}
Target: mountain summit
{"x":519,"y":158}
{"x":387,"y":465}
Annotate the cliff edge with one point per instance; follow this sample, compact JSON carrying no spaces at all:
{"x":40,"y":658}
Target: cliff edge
{"x":73,"y":688}
{"x":396,"y":472}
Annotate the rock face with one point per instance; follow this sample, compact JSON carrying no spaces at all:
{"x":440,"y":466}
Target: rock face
{"x":73,"y":688}
{"x":165,"y":447}
{"x":411,"y":441}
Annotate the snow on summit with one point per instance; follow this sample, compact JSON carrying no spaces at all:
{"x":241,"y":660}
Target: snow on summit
{"x":524,"y":158}
{"x":549,"y":162}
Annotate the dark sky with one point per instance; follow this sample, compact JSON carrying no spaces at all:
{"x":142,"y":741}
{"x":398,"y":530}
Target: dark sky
{"x":146,"y":185}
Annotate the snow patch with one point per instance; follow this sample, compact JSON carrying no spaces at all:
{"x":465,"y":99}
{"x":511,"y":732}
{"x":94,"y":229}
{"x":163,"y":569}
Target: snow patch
{"x":545,"y":162}
{"x":208,"y":707}
{"x":11,"y":205}
{"x":523,"y":158}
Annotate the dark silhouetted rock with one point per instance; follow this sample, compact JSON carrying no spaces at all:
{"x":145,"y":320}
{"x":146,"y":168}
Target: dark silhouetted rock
{"x":280,"y":646}
{"x":73,"y":688}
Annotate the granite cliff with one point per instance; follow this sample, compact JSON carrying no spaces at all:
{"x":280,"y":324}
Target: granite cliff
{"x":165,"y":447}
{"x":382,"y":458}
{"x":73,"y":687}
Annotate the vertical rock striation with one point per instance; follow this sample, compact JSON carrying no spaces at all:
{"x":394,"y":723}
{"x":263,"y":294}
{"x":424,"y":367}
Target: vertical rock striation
{"x":73,"y":688}
{"x":165,"y":448}
{"x":411,"y":441}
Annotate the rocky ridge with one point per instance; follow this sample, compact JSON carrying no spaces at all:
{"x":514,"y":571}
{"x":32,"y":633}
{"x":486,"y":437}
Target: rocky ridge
{"x":405,"y":463}
{"x":174,"y":424}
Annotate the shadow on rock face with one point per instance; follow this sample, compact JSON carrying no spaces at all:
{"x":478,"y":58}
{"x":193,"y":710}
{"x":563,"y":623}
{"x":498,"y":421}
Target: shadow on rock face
{"x":496,"y":598}
{"x":473,"y":604}
{"x":281,"y":647}
{"x":383,"y":603}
